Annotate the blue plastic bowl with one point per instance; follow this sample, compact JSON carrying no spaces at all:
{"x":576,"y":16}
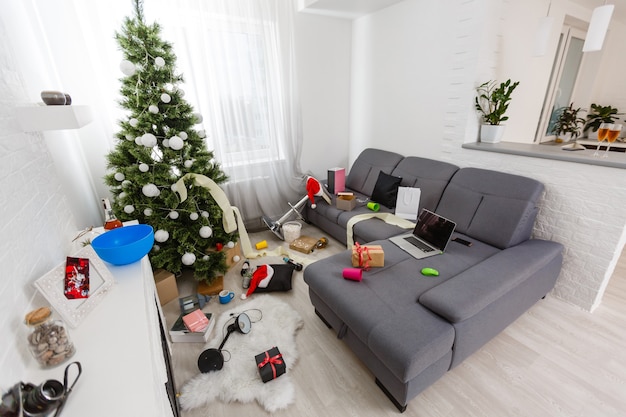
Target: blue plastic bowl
{"x":124,"y":245}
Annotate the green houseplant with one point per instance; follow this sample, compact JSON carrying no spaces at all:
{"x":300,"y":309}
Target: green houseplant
{"x":568,"y":123}
{"x":598,"y":115}
{"x":491,"y":102}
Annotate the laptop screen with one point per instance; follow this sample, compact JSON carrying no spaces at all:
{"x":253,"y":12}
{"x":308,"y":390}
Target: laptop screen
{"x":434,"y":229}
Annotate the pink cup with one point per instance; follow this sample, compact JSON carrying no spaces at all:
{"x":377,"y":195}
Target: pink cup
{"x":354,"y":274}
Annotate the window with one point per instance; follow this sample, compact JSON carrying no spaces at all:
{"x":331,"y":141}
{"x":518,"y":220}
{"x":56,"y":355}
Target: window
{"x":563,"y":80}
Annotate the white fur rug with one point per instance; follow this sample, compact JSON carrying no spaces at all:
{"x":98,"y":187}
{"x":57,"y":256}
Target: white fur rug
{"x":239,"y":379}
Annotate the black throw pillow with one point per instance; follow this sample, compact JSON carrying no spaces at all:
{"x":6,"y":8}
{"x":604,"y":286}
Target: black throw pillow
{"x":386,"y":190}
{"x":281,"y":280}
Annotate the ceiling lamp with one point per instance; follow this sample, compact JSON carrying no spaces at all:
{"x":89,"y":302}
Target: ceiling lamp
{"x":542,"y":35}
{"x":598,"y":27}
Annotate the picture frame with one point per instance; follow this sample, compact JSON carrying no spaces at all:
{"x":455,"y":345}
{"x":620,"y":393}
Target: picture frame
{"x":73,"y":311}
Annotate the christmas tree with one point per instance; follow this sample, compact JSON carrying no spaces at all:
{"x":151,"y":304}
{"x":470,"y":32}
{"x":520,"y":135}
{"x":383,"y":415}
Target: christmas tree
{"x":158,"y":147}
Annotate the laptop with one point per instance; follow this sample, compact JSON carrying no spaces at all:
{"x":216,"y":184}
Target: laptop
{"x":430,"y":237}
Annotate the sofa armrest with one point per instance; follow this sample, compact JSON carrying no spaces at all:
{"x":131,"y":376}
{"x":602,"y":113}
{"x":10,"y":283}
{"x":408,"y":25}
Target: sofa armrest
{"x":469,"y":292}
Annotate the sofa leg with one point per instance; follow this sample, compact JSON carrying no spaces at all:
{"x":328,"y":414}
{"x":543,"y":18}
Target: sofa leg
{"x":323,"y":319}
{"x":400,"y":407}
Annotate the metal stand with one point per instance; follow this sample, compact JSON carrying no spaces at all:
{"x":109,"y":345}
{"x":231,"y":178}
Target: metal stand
{"x":277,"y":226}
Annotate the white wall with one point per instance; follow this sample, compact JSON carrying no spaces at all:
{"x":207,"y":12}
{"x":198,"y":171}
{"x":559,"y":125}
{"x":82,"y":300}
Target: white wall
{"x":428,"y":110}
{"x":37,"y":225}
{"x":323,"y":50}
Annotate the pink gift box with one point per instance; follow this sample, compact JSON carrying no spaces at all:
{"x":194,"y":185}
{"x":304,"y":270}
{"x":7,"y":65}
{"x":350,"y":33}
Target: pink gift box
{"x":195,"y":321}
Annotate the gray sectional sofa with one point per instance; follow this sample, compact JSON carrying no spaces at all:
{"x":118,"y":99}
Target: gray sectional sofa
{"x":410,"y":329}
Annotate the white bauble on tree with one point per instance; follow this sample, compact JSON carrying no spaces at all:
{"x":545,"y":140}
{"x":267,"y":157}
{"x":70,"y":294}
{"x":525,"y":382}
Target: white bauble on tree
{"x":147,"y":212}
{"x":194,"y":216}
{"x":202,"y":134}
{"x":159,"y":62}
{"x":161,"y":235}
{"x":165,"y":98}
{"x":236,"y":258}
{"x":127,"y":67}
{"x":205,"y":232}
{"x":173,"y":214}
{"x":176,"y":143}
{"x":133,"y":122}
{"x":198,"y":118}
{"x":183,"y":135}
{"x":119,"y":176}
{"x":129,"y":136}
{"x":166,"y":143}
{"x":153,"y":109}
{"x":121,"y":195}
{"x":230,"y":244}
{"x":150,"y":190}
{"x":144,"y":167}
{"x":148,"y":140}
{"x":156,"y":248}
{"x":188,"y":258}
{"x":205,"y":214}
{"x":138,"y":140}
{"x":188,"y":163}
{"x":128,"y":209}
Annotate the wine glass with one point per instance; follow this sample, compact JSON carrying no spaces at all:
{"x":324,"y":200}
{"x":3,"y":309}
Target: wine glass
{"x":611,"y":137}
{"x":603,"y":132}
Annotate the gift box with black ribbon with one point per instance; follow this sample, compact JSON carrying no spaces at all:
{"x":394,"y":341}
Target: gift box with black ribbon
{"x":271,"y":364}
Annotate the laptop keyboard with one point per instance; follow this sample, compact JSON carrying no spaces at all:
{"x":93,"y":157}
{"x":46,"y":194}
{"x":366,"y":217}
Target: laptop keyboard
{"x":419,"y":244}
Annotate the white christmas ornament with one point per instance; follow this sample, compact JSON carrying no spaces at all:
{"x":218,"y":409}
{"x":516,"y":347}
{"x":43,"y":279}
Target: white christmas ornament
{"x":173,"y":214}
{"x":230,"y":244}
{"x":205,"y":232}
{"x":156,"y":248}
{"x":161,"y":235}
{"x":138,"y":140}
{"x":129,"y":209}
{"x":165,"y":98}
{"x":133,"y":122}
{"x":188,"y":258}
{"x":205,"y":258}
{"x":166,"y":143}
{"x":119,"y":176}
{"x":129,"y":136}
{"x":148,"y":140}
{"x":127,"y":67}
{"x":202,"y":133}
{"x":121,"y":195}
{"x":153,"y":109}
{"x":144,"y":167}
{"x":194,"y":216}
{"x":147,"y":212}
{"x":236,"y":258}
{"x":198,"y":118}
{"x":126,"y":183}
{"x":150,"y":190}
{"x":205,"y":214}
{"x":183,"y":135}
{"x":159,"y":62}
{"x":188,"y":163}
{"x":176,"y":143}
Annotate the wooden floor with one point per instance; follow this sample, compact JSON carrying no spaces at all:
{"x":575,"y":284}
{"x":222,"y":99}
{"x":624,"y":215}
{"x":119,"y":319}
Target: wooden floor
{"x":556,"y":360}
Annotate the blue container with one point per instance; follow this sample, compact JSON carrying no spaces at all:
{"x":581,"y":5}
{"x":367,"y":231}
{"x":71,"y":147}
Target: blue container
{"x":124,"y":245}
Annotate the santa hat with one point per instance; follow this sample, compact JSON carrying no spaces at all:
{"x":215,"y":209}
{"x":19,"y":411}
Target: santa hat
{"x":313,"y":188}
{"x":260,"y":278}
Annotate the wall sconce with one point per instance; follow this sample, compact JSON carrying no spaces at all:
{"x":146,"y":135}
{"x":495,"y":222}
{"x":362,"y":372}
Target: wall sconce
{"x":598,"y":27}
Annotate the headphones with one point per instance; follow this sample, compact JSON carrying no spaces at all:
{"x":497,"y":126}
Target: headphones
{"x":212,"y":359}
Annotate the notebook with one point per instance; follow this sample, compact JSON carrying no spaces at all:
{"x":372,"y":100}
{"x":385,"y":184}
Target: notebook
{"x":430,"y":237}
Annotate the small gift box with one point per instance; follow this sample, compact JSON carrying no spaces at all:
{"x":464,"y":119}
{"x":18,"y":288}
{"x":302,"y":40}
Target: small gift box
{"x":271,"y":364}
{"x":196,"y":321}
{"x":368,"y":256}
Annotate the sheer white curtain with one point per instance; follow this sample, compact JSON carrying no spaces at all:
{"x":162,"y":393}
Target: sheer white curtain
{"x":237,"y":57}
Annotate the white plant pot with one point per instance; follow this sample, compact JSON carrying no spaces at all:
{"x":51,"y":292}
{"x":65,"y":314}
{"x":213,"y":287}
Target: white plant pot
{"x":491,"y":133}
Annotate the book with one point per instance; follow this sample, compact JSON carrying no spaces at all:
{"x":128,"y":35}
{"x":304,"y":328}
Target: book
{"x":336,"y":180}
{"x":180,"y":334}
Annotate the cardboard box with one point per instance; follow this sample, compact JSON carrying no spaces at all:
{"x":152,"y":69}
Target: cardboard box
{"x":211,"y":289}
{"x":368,"y":256}
{"x":165,"y":282}
{"x":346,"y":202}
{"x":304,"y":244}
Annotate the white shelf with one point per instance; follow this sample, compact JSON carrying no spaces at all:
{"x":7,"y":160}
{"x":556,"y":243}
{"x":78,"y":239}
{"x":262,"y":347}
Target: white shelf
{"x":40,"y":118}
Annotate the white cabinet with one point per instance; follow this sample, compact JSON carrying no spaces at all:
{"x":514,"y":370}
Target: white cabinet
{"x":124,"y":358}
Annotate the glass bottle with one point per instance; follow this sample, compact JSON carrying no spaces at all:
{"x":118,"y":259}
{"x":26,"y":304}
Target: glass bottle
{"x":48,"y":338}
{"x":110,"y":221}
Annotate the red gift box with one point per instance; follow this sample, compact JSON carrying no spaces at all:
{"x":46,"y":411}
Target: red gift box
{"x":271,"y":364}
{"x":196,"y":321}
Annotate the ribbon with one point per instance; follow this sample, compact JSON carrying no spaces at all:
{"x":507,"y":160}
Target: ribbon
{"x":360,"y":250}
{"x":274,"y":360}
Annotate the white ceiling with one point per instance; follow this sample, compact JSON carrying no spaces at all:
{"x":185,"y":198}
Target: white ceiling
{"x":352,"y":9}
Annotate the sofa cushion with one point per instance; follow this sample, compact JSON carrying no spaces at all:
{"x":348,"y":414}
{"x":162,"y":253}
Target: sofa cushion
{"x":429,"y":175}
{"x":364,"y":171}
{"x":495,"y":207}
{"x":386,"y":189}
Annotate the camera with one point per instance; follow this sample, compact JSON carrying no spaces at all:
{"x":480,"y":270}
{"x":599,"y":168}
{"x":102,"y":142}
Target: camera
{"x":29,"y":400}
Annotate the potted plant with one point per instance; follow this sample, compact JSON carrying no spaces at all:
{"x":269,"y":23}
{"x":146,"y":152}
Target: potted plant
{"x":492,"y":102}
{"x":568,"y":125}
{"x":598,"y":115}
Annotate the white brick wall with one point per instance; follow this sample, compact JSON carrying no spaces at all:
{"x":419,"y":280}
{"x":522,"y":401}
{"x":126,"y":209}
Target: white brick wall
{"x":37,"y":224}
